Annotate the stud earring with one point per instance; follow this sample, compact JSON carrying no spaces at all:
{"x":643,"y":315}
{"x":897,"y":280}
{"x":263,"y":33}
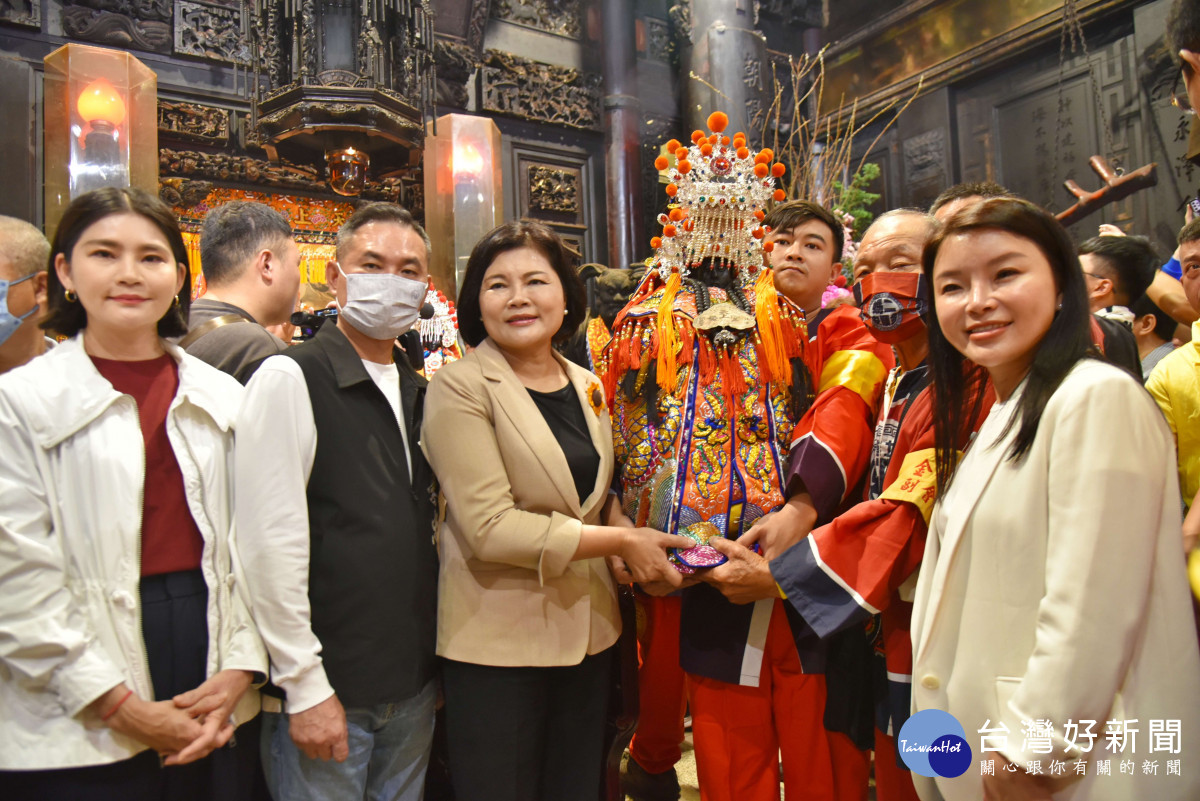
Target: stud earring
{"x":70,"y":296}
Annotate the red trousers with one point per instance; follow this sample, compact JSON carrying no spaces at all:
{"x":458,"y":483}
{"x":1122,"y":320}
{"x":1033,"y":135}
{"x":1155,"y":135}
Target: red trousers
{"x":662,"y":694}
{"x":892,"y":782}
{"x":740,"y":733}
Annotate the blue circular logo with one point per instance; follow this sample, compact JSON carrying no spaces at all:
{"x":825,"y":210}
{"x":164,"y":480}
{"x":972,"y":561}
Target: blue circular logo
{"x":933,"y":743}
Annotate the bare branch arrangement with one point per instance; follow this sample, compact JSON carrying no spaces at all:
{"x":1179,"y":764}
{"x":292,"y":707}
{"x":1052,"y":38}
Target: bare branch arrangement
{"x":818,"y":149}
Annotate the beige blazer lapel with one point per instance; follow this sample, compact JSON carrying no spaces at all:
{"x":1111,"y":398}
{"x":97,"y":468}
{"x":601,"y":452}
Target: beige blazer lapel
{"x":512,"y":397}
{"x":599,"y":427}
{"x":967,"y":490}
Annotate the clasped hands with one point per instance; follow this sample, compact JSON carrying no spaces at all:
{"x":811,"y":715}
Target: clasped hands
{"x":744,"y":578}
{"x":183,"y":729}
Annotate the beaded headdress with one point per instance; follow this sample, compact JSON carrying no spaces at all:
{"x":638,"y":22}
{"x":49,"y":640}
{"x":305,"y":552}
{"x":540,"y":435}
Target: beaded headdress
{"x":719,"y":195}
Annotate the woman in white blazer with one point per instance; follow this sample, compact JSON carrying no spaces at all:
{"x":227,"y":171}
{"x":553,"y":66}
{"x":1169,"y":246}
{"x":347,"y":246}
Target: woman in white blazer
{"x":124,"y":642}
{"x":1053,"y":586}
{"x":521,"y":444}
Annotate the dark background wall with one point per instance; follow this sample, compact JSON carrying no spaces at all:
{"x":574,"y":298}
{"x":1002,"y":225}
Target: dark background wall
{"x":535,"y":67}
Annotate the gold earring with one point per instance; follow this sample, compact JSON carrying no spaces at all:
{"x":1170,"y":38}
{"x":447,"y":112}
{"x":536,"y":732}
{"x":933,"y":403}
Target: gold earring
{"x":70,"y":296}
{"x":176,"y":300}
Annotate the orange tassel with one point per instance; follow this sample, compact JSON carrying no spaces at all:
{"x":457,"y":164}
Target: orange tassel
{"x":668,"y":337}
{"x":771,"y":330}
{"x":687,"y":340}
{"x":733,"y":382}
{"x":708,"y":362}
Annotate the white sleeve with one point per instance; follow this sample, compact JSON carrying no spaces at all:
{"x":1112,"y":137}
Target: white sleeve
{"x":276,"y":445}
{"x":47,"y":640}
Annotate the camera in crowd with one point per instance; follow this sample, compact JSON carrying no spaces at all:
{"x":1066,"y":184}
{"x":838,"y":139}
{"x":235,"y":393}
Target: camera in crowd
{"x":308,"y":323}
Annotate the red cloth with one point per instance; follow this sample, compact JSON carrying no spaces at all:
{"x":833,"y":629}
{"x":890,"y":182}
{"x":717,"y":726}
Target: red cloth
{"x":170,"y":539}
{"x":739,"y":732}
{"x":892,"y":782}
{"x":662,"y":694}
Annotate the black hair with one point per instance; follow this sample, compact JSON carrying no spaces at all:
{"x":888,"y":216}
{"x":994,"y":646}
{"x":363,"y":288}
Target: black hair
{"x":235,"y":233}
{"x":1183,"y":27}
{"x":1131,"y":260}
{"x":379,"y":212}
{"x":981,"y":189}
{"x":511,"y":236}
{"x":69,"y":318}
{"x":1066,"y":342}
{"x":787,"y":216}
{"x":1164,"y":325}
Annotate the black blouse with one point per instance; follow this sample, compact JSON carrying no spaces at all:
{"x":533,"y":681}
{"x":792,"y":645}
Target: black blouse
{"x":564,"y":414}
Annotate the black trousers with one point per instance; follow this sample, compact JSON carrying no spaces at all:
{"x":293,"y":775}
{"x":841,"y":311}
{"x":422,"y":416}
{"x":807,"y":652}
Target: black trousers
{"x":527,"y":733}
{"x":175,"y":632}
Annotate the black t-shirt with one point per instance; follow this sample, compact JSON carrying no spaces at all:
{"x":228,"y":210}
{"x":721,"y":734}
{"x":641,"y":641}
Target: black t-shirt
{"x":1120,"y":346}
{"x":564,"y":414}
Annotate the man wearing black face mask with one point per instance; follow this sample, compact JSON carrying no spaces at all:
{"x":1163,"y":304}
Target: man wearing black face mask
{"x":334,"y":522}
{"x":861,"y":568}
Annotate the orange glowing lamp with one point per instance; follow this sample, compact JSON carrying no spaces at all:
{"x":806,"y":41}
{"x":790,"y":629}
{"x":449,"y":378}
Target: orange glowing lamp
{"x":468,"y":163}
{"x":101,"y":102}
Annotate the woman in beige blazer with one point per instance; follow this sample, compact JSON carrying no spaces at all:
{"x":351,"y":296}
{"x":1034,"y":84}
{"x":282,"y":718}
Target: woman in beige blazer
{"x":1053,"y":585}
{"x":521,"y":443}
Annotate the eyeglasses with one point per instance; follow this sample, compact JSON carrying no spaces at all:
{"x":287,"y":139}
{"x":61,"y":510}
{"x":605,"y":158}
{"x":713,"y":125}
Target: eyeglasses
{"x":1179,"y":95}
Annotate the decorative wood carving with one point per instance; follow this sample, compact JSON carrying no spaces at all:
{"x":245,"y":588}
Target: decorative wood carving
{"x":180,"y":193}
{"x":191,"y":121}
{"x":477,"y":25}
{"x":800,"y":13}
{"x":227,"y":168}
{"x":658,"y":39}
{"x":21,"y":12}
{"x":563,"y":17}
{"x":925,"y":157}
{"x":308,"y":39}
{"x":541,"y":92}
{"x":553,"y":189}
{"x":414,"y":194}
{"x":455,"y":62}
{"x":681,"y":20}
{"x":138,"y":24}
{"x":210,"y":31}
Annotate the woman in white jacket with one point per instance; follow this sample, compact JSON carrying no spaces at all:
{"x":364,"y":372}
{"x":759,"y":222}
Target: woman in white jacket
{"x":1052,"y":607}
{"x":124,"y":643}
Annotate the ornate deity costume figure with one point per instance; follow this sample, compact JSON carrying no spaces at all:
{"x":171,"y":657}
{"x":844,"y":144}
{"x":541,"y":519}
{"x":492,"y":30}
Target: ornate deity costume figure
{"x":708,"y":379}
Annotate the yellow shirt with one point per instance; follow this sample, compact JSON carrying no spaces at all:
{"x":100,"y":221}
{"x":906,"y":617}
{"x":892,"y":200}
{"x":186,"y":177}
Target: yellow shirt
{"x":1175,"y":385}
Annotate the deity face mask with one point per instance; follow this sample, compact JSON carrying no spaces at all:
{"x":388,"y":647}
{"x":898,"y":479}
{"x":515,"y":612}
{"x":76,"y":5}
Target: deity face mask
{"x":382,"y":305}
{"x":892,"y":304}
{"x":9,"y":322}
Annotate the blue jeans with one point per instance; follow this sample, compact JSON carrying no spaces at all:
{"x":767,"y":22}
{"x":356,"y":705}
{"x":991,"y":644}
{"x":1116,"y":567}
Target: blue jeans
{"x":389,"y":751}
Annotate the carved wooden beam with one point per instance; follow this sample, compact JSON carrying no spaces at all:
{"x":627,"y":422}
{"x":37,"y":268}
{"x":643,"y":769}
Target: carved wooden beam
{"x":1116,"y":187}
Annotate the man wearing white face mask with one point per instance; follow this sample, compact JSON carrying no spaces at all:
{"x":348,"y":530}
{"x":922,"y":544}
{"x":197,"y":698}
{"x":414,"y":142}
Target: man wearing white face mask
{"x":334,"y":522}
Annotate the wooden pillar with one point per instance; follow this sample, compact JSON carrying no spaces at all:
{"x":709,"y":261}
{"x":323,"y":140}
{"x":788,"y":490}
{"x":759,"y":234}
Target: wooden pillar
{"x":622,"y":126}
{"x":725,"y":49}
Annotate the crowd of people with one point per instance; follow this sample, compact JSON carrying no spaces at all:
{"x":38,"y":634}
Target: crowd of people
{"x":236,"y":568}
